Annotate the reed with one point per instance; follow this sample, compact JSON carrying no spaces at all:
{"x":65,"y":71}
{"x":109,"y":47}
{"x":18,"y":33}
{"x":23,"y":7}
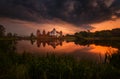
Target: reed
{"x":28,"y":66}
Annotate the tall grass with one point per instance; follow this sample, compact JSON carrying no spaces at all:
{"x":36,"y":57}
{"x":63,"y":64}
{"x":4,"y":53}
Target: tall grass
{"x":27,"y":66}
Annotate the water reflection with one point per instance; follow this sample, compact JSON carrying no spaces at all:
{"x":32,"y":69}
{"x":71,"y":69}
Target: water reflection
{"x":32,"y":41}
{"x":54,"y":43}
{"x":93,"y":51}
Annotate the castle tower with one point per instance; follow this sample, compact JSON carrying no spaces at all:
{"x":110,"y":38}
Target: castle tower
{"x":44,"y":33}
{"x":38,"y":33}
{"x":61,"y":33}
{"x":53,"y":32}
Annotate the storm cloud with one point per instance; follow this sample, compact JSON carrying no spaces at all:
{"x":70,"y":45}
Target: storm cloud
{"x":72,"y":11}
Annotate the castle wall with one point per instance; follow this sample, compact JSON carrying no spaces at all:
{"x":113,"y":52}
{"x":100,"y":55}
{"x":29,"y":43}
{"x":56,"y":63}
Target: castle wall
{"x":52,"y":33}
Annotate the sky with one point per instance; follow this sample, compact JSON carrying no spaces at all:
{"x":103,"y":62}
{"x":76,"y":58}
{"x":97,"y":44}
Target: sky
{"x":26,"y":16}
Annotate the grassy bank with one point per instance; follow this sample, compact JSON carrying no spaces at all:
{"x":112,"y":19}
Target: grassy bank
{"x":27,"y":66}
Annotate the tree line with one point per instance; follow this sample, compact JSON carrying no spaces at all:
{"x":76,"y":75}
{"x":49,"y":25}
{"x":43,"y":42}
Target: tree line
{"x":101,"y":34}
{"x":82,"y":34}
{"x":3,"y":34}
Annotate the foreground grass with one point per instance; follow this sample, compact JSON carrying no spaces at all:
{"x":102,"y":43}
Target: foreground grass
{"x":27,"y":66}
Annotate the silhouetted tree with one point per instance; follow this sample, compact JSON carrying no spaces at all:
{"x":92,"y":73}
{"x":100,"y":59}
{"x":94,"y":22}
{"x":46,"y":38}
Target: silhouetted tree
{"x":9,"y":34}
{"x":103,"y":33}
{"x":116,"y":32}
{"x":2,"y":31}
{"x":32,"y":35}
{"x":14,"y":35}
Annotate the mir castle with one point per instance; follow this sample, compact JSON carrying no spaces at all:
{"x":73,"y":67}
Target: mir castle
{"x":54,"y":34}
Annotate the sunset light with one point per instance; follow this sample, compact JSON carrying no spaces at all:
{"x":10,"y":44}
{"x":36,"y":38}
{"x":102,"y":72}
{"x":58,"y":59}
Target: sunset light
{"x":59,"y":39}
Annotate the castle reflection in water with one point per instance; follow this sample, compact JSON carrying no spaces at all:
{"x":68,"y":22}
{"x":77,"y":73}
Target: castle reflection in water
{"x":54,"y":43}
{"x":51,"y":38}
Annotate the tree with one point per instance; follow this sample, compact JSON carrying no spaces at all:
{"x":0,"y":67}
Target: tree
{"x":116,"y":32}
{"x":84,"y":33}
{"x":15,"y":35}
{"x":2,"y":31}
{"x":32,"y":35}
{"x":9,"y":34}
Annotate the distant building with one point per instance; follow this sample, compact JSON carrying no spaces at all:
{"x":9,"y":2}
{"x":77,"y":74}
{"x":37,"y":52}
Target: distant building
{"x":38,"y":33}
{"x":53,"y":33}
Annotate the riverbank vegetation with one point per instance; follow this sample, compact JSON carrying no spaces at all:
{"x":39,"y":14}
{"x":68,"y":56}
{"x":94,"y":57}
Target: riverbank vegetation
{"x":113,"y":34}
{"x":30,"y":66}
{"x":107,"y":35}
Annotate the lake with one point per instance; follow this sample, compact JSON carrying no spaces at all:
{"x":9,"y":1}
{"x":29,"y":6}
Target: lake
{"x":90,"y":51}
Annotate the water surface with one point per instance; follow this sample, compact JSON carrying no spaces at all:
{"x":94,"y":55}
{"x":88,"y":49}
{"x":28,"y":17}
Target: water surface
{"x":91,"y":51}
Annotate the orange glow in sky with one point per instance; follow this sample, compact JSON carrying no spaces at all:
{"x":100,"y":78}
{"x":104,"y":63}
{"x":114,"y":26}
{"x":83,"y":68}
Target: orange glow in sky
{"x":106,"y":25}
{"x":25,"y":27}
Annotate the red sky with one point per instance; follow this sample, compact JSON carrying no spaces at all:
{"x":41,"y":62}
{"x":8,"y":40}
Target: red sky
{"x":25,"y":27}
{"x":107,"y":25}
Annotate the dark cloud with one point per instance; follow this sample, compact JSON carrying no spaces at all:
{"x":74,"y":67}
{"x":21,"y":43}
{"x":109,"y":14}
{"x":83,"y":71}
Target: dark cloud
{"x":73,"y":11}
